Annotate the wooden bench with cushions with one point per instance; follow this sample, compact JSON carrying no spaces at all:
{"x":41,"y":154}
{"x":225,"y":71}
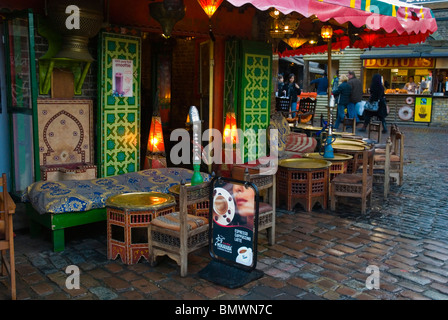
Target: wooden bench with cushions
{"x":57,"y":205}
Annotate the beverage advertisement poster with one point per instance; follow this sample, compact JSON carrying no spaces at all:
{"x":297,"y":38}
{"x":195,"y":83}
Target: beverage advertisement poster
{"x":423,"y":108}
{"x":234,"y":223}
{"x":122,"y":77}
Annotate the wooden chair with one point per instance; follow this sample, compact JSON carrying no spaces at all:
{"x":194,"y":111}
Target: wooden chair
{"x":177,"y":234}
{"x":7,"y":209}
{"x":265,"y":184}
{"x":306,"y":109}
{"x":357,"y":185}
{"x":381,"y":148}
{"x":349,"y":122}
{"x":283,"y":105}
{"x":375,"y":127}
{"x":396,"y":158}
{"x":381,"y":172}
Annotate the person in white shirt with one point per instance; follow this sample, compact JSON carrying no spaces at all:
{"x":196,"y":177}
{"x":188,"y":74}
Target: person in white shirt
{"x":411,"y":85}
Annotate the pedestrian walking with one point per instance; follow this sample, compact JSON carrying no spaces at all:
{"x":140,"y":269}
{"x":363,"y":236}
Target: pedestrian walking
{"x":280,"y":84}
{"x":292,"y":89}
{"x":342,"y":96}
{"x":355,"y":96}
{"x":322,"y":84}
{"x":376,"y":94}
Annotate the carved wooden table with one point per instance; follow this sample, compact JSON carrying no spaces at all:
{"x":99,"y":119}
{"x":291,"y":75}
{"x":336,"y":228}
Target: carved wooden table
{"x":303,"y":181}
{"x":338,"y":164}
{"x":128,"y":217}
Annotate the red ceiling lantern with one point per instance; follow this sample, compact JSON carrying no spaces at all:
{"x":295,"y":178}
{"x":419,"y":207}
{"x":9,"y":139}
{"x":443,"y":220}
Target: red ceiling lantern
{"x":230,"y":129}
{"x":210,"y":6}
{"x":369,"y":39}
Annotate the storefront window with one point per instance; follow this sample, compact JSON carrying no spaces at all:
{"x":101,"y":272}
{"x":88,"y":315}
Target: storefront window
{"x":440,"y":85}
{"x":407,"y":75}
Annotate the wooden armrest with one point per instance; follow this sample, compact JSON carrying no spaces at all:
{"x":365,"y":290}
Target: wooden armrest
{"x":11,"y":203}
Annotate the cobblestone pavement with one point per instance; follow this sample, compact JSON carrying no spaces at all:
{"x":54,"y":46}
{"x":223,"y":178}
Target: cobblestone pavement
{"x":317,"y":255}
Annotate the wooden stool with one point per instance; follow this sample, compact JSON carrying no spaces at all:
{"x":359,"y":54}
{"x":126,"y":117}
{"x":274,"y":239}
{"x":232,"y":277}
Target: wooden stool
{"x":375,"y":127}
{"x":128,"y":218}
{"x":349,"y":122}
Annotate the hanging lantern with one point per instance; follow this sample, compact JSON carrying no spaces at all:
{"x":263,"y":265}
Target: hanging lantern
{"x":369,"y":39}
{"x":296,"y":42}
{"x":167,"y":13}
{"x":326,"y":32}
{"x":274,"y":13}
{"x":230,"y":129}
{"x":313,"y":39}
{"x":210,"y":6}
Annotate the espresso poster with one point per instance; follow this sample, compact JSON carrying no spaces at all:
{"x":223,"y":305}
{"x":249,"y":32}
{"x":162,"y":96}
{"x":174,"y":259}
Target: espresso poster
{"x":234,"y":222}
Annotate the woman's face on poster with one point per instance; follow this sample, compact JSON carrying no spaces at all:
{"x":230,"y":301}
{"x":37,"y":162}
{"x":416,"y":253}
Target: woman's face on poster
{"x":245,"y":200}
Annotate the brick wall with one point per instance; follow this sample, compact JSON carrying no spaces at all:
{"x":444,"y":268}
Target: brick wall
{"x":442,"y":25}
{"x":183,"y":82}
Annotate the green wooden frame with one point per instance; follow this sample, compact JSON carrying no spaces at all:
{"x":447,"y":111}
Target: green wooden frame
{"x":56,"y":223}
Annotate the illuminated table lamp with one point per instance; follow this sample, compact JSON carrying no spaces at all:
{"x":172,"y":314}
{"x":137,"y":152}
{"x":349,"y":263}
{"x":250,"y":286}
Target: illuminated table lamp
{"x":155,"y":153}
{"x":230,"y":129}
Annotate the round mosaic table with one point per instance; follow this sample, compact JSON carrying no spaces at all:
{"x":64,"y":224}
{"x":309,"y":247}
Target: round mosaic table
{"x":128,"y":217}
{"x":304,"y":181}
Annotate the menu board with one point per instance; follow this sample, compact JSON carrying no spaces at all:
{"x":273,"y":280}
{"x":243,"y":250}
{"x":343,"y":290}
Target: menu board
{"x":234,"y":222}
{"x":423,"y":109}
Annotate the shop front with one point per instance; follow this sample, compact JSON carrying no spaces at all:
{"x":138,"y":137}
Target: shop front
{"x":415,"y":83}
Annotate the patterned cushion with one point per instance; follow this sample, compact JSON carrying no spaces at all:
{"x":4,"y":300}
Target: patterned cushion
{"x":300,"y":144}
{"x":382,"y":158}
{"x":84,"y":195}
{"x":171,"y":221}
{"x":264,"y":207}
{"x":278,"y":121}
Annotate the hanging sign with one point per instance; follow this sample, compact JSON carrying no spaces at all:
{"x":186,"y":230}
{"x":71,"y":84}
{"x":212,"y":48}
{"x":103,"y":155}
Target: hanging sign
{"x":399,"y":63}
{"x":423,"y":109}
{"x":122,"y":81}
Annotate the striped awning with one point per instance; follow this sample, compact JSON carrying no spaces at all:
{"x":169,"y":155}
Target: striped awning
{"x":395,"y":22}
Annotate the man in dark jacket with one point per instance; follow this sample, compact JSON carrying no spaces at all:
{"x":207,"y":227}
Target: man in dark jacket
{"x":342,"y":96}
{"x":322,"y":84}
{"x":355,"y":97}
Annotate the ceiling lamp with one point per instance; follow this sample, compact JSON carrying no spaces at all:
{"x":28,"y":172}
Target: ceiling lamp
{"x":296,"y":42}
{"x":313,"y":39}
{"x":283,"y":28}
{"x":326,"y":32}
{"x":275,"y":13}
{"x":167,"y":13}
{"x":369,"y":39}
{"x":210,"y":6}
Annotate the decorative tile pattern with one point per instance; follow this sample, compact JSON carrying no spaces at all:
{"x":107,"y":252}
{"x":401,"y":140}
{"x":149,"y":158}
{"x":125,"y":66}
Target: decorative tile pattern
{"x":119,"y":117}
{"x":65,"y":131}
{"x":255,"y":107}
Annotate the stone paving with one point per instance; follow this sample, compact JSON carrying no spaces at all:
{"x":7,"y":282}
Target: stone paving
{"x":320,"y":255}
